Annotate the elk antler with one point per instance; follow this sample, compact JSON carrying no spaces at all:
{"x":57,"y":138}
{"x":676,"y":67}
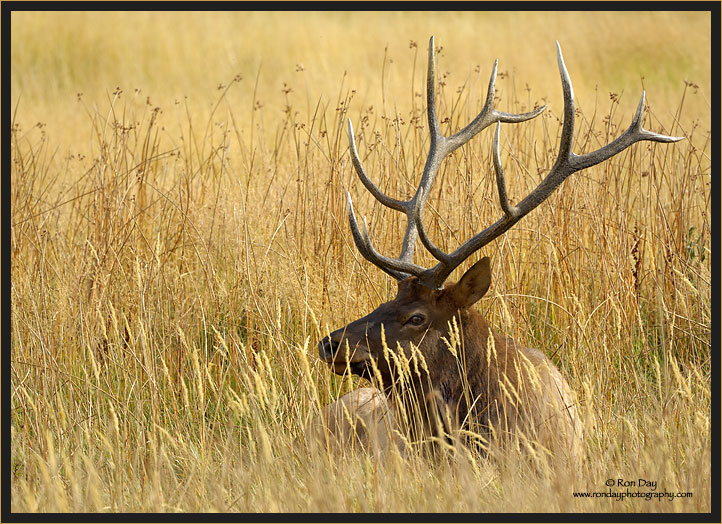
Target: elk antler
{"x":566,"y":164}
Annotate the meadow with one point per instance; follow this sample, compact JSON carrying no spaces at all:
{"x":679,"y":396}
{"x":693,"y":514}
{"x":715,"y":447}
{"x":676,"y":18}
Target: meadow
{"x":179,"y":244}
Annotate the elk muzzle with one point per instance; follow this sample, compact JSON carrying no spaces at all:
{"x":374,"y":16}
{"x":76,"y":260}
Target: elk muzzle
{"x":342,"y":354}
{"x":327,"y":349}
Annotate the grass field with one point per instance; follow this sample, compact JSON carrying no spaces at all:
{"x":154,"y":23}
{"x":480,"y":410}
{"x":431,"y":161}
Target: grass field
{"x":179,"y":244}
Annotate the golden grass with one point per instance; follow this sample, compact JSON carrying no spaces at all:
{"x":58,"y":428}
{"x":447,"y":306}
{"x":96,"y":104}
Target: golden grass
{"x":179,"y":247}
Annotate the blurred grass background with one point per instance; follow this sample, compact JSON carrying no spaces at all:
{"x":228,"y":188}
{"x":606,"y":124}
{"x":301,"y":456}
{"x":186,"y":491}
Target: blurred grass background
{"x":177,"y":56}
{"x":179,"y":244}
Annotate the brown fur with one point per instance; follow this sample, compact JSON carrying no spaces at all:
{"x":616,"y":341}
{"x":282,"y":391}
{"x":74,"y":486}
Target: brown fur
{"x":359,"y":419}
{"x":492,"y":386}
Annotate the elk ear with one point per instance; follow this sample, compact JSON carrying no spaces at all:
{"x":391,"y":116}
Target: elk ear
{"x":473,"y":285}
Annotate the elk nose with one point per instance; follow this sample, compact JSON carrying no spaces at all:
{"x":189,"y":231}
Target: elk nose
{"x":327,"y":349}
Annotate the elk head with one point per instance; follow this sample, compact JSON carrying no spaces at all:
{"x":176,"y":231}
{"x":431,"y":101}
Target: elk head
{"x":422,"y":309}
{"x":418,"y":314}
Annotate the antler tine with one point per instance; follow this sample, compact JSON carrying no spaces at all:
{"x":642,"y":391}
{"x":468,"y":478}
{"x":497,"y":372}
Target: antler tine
{"x":396,"y":268}
{"x":434,"y":129}
{"x":635,"y":133}
{"x":425,"y":240}
{"x":489,"y":115}
{"x":375,"y":191}
{"x":509,"y":210}
{"x":566,"y":164}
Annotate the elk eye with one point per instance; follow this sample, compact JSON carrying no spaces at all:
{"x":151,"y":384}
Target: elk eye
{"x":416,"y":320}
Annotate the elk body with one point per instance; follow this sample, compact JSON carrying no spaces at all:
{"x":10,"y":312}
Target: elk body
{"x":361,"y":419}
{"x":428,"y":350}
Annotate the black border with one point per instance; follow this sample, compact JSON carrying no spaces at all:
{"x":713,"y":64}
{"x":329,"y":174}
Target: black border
{"x":6,"y":110}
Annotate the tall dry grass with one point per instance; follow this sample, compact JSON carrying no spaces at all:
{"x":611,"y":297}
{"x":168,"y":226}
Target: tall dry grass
{"x":179,"y":244}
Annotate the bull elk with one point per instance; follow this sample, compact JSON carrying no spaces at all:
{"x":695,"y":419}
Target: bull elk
{"x":488,"y":383}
